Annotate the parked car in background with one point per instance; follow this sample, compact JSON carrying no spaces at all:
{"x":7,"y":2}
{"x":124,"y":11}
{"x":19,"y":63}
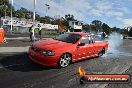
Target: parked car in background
{"x":66,"y":48}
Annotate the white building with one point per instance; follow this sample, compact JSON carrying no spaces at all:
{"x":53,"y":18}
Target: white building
{"x":76,"y":25}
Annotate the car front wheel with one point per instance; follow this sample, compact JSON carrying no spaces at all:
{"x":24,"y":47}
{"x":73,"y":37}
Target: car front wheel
{"x":65,"y":60}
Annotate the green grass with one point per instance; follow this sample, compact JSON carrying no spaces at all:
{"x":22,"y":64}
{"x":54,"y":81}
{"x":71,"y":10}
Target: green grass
{"x":47,"y":32}
{"x":44,"y":31}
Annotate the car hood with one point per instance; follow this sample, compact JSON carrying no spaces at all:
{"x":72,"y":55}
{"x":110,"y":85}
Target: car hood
{"x":50,"y":44}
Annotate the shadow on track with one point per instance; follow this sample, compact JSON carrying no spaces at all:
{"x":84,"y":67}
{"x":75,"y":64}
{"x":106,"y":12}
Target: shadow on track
{"x":21,"y":62}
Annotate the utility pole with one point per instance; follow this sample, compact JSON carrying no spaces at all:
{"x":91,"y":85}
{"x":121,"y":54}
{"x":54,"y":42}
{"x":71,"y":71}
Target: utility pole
{"x":11,"y":15}
{"x":34,"y":12}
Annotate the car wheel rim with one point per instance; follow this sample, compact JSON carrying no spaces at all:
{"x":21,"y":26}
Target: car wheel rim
{"x":65,"y":60}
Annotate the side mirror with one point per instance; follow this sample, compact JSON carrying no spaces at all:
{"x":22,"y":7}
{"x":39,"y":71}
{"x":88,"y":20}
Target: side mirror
{"x":81,"y":44}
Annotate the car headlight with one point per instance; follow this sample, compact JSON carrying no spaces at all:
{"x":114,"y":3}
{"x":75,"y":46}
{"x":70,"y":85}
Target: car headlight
{"x":48,"y":53}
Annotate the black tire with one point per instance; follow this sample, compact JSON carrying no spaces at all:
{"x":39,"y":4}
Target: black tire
{"x":101,"y":52}
{"x":65,"y":60}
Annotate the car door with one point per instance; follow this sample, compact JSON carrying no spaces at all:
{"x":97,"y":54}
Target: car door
{"x":90,"y":47}
{"x":82,"y":50}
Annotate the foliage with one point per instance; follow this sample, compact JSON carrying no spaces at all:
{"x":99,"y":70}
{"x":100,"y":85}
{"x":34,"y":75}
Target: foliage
{"x":95,"y":26}
{"x":106,"y":28}
{"x":130,"y":32}
{"x":46,"y":20}
{"x":5,"y":6}
{"x":69,"y":17}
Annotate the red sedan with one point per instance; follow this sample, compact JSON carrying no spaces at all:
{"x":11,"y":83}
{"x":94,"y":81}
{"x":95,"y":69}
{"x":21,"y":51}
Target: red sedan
{"x":66,"y":48}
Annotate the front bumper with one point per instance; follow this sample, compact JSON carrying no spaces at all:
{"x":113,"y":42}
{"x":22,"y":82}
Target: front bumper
{"x":43,"y":60}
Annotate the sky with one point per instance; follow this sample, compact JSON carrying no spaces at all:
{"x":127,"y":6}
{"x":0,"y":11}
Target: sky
{"x":112,"y":12}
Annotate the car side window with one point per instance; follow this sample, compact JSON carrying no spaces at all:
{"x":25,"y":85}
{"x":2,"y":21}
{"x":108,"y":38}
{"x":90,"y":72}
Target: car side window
{"x":86,"y":40}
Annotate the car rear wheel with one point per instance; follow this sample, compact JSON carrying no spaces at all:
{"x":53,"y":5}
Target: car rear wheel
{"x":65,"y":60}
{"x":102,"y":51}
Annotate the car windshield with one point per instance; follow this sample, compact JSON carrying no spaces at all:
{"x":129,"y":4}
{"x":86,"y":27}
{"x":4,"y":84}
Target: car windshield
{"x":68,"y":37}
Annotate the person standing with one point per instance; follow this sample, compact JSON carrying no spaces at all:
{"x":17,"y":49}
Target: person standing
{"x":40,"y":31}
{"x":32,"y":36}
{"x":103,"y":35}
{"x":30,"y":29}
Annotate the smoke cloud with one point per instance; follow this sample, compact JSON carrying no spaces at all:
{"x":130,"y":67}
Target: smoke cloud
{"x":115,"y":42}
{"x":115,"y":46}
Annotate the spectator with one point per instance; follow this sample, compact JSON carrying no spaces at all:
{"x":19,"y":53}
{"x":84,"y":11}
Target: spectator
{"x":103,"y":35}
{"x":40,"y":31}
{"x":32,"y":36}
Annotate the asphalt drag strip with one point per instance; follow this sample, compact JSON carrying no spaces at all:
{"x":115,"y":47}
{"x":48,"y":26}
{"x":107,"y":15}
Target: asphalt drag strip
{"x":19,"y":67}
{"x":18,"y":71}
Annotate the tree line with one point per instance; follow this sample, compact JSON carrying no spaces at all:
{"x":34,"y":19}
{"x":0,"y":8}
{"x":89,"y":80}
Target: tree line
{"x":94,"y":26}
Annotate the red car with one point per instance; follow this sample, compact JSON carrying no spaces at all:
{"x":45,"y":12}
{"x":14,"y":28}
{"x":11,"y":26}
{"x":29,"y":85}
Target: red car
{"x":66,"y":48}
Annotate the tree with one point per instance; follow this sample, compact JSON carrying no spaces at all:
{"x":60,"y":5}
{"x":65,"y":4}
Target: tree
{"x":106,"y":28}
{"x":46,"y":19}
{"x":21,"y":13}
{"x":29,"y":15}
{"x":86,"y":27}
{"x":8,"y":8}
{"x":37,"y":17}
{"x":69,"y":17}
{"x":4,"y":2}
{"x":130,"y":32}
{"x":115,"y":29}
{"x":97,"y":24}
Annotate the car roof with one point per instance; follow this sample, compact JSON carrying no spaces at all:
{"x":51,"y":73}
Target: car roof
{"x":81,"y":33}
